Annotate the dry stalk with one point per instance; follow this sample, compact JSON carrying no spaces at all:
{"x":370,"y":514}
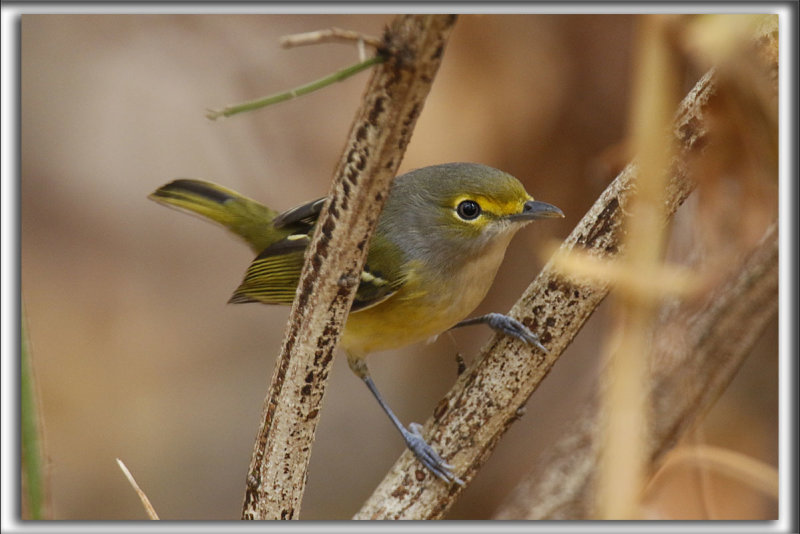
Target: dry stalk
{"x":761,"y":476}
{"x":623,"y":463}
{"x":148,"y":508}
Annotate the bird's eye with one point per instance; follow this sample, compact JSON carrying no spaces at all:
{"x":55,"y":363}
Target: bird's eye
{"x":468,"y":210}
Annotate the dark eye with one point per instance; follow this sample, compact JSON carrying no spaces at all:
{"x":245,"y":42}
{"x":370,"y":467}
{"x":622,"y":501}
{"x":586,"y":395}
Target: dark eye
{"x":468,"y":210}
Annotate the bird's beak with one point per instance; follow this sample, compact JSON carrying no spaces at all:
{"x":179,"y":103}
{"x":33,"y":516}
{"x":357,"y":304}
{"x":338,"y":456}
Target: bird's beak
{"x":534,"y":209}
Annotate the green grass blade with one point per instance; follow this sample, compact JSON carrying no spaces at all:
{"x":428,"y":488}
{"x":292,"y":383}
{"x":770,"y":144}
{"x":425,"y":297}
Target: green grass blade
{"x":33,"y":485}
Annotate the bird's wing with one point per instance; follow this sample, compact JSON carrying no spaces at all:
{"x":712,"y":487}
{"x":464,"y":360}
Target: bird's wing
{"x":273,"y":276}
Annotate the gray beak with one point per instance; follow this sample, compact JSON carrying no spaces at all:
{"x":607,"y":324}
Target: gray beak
{"x":535,"y":209}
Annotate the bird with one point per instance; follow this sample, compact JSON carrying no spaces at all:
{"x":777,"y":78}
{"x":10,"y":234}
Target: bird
{"x":438,"y":244}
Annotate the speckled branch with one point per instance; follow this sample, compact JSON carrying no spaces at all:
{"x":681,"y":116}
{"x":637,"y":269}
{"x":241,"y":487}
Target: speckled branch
{"x":686,"y":378}
{"x":413,"y":45}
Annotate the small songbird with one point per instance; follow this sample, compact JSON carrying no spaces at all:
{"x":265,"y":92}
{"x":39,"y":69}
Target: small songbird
{"x":439,"y":242}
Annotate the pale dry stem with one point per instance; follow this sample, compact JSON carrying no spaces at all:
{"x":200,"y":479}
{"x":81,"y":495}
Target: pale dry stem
{"x":330,"y":35}
{"x":148,"y":508}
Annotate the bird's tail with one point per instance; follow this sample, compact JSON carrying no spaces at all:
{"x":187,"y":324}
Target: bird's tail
{"x":248,"y":219}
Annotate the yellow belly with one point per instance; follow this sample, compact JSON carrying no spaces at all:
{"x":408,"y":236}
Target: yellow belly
{"x":397,"y":322}
{"x":420,"y":309}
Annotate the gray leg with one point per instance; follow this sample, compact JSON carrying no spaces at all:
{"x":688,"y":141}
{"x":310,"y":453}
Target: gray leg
{"x":411,"y":435}
{"x":508,"y":326}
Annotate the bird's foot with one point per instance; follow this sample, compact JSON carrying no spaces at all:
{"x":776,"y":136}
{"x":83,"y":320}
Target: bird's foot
{"x":508,"y":326}
{"x":427,"y":456}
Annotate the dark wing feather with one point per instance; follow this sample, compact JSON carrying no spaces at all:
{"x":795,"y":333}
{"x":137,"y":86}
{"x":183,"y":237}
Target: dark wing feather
{"x":382,"y":275}
{"x":305,"y":214}
{"x":273,"y":276}
{"x":372,"y":290}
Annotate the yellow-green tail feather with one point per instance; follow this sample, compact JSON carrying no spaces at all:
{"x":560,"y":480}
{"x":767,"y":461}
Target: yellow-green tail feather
{"x":248,"y":219}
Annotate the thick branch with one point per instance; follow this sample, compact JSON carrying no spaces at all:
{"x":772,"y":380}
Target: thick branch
{"x":686,"y":378}
{"x":382,"y":128}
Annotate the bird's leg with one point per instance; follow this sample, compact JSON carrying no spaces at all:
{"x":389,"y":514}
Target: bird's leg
{"x":411,"y":435}
{"x":506,"y":325}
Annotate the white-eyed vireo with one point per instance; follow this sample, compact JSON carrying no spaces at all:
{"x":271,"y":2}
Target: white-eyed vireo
{"x":439,"y":242}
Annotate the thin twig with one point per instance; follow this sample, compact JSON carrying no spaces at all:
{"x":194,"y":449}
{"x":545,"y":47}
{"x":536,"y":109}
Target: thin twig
{"x":259,"y":103}
{"x":331,"y":35}
{"x":746,"y":469}
{"x":704,"y":477}
{"x":148,"y":508}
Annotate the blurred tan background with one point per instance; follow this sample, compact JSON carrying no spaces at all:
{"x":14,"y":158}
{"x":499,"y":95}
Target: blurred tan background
{"x":136,"y":352}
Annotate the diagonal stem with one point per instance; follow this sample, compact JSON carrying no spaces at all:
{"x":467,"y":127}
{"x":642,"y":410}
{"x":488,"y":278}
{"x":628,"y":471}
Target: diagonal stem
{"x":310,"y":87}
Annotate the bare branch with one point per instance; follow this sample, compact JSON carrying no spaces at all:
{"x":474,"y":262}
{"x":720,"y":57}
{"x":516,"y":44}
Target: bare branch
{"x":334,"y":259}
{"x":695,"y":354}
{"x":685,"y":380}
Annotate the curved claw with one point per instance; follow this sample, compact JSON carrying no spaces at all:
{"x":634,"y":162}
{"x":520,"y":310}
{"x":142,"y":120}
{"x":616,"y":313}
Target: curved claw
{"x":508,"y":326}
{"x":427,"y":456}
{"x":512,"y":327}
